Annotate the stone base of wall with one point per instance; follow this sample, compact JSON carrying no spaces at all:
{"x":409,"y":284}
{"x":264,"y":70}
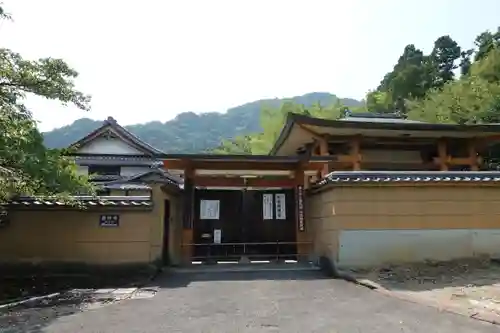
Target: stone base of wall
{"x":77,"y":269}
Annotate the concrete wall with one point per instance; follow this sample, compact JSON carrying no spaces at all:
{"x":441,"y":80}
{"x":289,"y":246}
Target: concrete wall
{"x":76,"y":236}
{"x":363,"y":225}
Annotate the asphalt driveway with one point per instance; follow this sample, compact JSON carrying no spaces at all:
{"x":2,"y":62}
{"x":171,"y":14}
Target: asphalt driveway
{"x":279,"y":301}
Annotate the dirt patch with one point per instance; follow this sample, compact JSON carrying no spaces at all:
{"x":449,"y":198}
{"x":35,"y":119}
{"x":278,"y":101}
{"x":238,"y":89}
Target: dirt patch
{"x":472,"y":284}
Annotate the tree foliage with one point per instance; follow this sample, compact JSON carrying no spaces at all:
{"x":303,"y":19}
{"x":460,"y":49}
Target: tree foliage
{"x":272,"y":121}
{"x":27,"y":167}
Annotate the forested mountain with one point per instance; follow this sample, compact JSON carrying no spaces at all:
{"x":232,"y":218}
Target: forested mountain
{"x":192,"y":133}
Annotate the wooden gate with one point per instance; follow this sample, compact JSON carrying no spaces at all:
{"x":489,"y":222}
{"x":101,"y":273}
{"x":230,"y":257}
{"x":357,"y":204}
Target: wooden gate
{"x":241,"y":225}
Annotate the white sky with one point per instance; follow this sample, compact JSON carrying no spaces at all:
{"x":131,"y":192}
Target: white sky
{"x":152,"y":59}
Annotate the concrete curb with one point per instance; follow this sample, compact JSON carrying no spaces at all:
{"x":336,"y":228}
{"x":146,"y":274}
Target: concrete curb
{"x":28,"y":300}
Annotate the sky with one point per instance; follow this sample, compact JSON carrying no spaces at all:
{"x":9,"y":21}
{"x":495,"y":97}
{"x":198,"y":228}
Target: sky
{"x":153,"y":59}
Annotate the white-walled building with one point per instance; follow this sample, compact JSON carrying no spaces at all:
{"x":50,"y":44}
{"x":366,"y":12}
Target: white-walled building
{"x":119,"y":161}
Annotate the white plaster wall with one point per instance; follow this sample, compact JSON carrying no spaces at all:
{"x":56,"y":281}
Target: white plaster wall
{"x":108,"y":146}
{"x":82,"y":170}
{"x":381,"y":155}
{"x":359,"y":248}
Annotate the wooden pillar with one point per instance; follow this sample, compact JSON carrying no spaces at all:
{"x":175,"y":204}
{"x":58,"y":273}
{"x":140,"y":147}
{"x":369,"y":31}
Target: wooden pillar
{"x":323,"y":151}
{"x":474,"y":165}
{"x":442,"y":155}
{"x":300,"y":221}
{"x":187,"y":223}
{"x":355,"y":153}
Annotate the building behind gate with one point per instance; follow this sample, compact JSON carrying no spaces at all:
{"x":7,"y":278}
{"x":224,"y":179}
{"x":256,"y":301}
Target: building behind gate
{"x":363,"y":190}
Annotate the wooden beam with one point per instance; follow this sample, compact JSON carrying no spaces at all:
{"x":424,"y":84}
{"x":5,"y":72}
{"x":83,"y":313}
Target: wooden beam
{"x":355,"y":156}
{"x":474,"y":165}
{"x":188,"y":212}
{"x":236,"y":165}
{"x":442,"y":155}
{"x":323,"y":151}
{"x":464,"y":161}
{"x":240,"y":182}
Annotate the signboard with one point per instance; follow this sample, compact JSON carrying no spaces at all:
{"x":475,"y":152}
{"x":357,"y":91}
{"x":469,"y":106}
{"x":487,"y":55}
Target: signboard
{"x":217,"y":236}
{"x":209,"y":209}
{"x":109,"y":220}
{"x":267,"y":206}
{"x":300,"y":208}
{"x":280,"y":206}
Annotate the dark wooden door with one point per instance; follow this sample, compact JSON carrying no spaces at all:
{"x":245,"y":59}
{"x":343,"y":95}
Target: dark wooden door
{"x":267,"y":233}
{"x":166,"y":233}
{"x":241,"y":221}
{"x":229,"y":222}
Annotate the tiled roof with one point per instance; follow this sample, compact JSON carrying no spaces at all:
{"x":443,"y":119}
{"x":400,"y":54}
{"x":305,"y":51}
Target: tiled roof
{"x":100,"y":178}
{"x":89,"y":201}
{"x":126,"y":186}
{"x":123,"y":133}
{"x":338,"y":177}
{"x":159,"y":175}
{"x":123,"y":160}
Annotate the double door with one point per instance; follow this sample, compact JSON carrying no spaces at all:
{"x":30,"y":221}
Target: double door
{"x":240,"y":225}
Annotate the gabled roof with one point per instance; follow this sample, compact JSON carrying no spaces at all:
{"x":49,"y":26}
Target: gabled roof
{"x":154,"y":175}
{"x":298,"y":128}
{"x":110,"y":126}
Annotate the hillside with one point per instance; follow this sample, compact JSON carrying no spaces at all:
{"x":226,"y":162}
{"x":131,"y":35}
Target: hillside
{"x":190,"y":132}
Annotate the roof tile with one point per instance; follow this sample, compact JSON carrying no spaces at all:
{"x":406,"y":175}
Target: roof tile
{"x":123,"y":201}
{"x":408,"y":176}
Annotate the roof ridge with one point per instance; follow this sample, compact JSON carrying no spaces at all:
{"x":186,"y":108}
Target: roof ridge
{"x":123,"y":133}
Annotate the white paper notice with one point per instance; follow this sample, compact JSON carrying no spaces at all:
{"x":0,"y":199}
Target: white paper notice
{"x":267,"y":206}
{"x":209,"y":209}
{"x":280,"y":206}
{"x":217,"y":236}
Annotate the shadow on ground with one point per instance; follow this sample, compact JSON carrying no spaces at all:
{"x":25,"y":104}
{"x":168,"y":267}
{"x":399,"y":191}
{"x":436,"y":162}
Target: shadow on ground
{"x":75,"y":294}
{"x":34,"y":316}
{"x":184,"y":279}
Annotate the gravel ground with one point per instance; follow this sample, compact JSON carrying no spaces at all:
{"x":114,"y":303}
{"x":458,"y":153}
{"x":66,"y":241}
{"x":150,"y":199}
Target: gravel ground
{"x":279,"y":301}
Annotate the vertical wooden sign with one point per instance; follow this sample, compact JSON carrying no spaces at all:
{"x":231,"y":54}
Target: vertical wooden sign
{"x":188,"y":204}
{"x":300,"y":208}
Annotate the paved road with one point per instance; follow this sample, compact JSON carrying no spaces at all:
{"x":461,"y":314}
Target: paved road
{"x":263,"y":302}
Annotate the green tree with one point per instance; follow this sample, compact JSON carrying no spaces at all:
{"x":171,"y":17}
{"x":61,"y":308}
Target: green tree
{"x":468,"y":101}
{"x":443,"y":60}
{"x":27,"y":167}
{"x":379,"y":102}
{"x":485,"y":42}
{"x":465,"y":61}
{"x":272,"y":121}
{"x":488,"y":67}
{"x":411,"y":77}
